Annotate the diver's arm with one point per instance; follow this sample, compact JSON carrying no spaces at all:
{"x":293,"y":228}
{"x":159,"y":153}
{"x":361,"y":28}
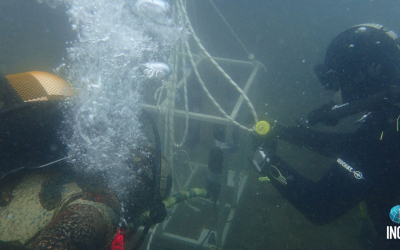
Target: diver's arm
{"x":325,"y":143}
{"x":322,"y":201}
{"x":331,"y":113}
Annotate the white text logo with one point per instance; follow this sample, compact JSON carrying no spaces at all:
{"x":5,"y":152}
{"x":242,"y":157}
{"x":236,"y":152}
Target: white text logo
{"x":357,"y":174}
{"x":392,"y":233}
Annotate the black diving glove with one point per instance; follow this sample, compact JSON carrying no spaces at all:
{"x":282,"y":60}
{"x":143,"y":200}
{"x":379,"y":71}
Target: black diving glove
{"x":264,"y":153}
{"x":158,"y":213}
{"x":324,"y":115}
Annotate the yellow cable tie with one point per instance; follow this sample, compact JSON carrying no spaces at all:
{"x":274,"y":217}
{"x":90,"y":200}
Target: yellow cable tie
{"x":381,"y":136}
{"x":280,"y":178}
{"x":265,"y":178}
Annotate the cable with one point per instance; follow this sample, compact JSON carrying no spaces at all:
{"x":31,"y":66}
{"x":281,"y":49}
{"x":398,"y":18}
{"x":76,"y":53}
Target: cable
{"x":184,"y":14}
{"x":156,"y":173}
{"x":157,"y":165}
{"x":151,"y":236}
{"x":41,"y":166}
{"x":178,"y":145}
{"x":178,"y":197}
{"x":230,"y":28}
{"x":249,"y":56}
{"x":139,"y":242}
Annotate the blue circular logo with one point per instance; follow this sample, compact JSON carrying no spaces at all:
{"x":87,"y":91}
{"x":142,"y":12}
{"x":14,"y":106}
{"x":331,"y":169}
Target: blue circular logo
{"x":395,"y":214}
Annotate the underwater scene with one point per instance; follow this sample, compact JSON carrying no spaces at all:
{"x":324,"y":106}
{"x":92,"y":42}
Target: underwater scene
{"x":199,"y":124}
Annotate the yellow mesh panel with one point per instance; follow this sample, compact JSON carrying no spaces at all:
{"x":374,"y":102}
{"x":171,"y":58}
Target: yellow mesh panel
{"x":39,"y":86}
{"x":55,"y":86}
{"x":27,"y":86}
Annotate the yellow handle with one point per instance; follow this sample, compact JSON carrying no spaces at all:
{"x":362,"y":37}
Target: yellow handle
{"x":265,"y":178}
{"x":262,"y":127}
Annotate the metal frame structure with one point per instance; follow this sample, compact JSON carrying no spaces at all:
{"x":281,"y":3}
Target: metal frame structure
{"x":171,"y":240}
{"x":226,"y":205}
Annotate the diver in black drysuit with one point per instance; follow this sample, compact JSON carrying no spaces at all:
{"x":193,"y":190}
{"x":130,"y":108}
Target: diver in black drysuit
{"x":367,"y":163}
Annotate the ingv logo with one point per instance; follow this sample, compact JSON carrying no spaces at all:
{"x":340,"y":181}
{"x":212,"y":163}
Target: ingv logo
{"x":357,"y":174}
{"x":391,"y":231}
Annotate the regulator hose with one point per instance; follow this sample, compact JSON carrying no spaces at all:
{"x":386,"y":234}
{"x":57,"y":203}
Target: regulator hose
{"x":156,"y":209}
{"x":157,"y":159}
{"x":178,"y":197}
